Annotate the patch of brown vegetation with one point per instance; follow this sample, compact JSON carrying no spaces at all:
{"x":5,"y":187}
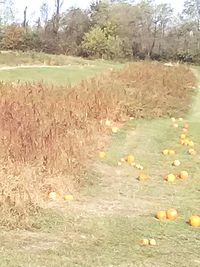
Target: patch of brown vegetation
{"x":47,"y":135}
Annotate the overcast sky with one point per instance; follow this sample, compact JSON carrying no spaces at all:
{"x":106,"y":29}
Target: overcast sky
{"x":33,"y":5}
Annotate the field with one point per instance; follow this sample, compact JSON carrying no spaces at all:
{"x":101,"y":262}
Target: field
{"x":112,"y":211}
{"x":57,"y":70}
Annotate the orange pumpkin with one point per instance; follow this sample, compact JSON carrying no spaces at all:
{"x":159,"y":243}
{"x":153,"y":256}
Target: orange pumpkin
{"x":172,"y":214}
{"x":192,"y":152}
{"x":145,"y":242}
{"x":183,"y":136}
{"x":102,"y":154}
{"x":130,"y":159}
{"x":194,"y":221}
{"x":161,"y":215}
{"x":171,"y":178}
{"x":68,"y":197}
{"x":143,"y":177}
{"x":186,"y":126}
{"x":183,"y":175}
{"x":165,"y":152}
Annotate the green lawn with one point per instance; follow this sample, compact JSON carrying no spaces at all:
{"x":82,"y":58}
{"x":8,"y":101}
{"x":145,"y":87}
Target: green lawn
{"x":60,"y":70}
{"x":60,"y":76}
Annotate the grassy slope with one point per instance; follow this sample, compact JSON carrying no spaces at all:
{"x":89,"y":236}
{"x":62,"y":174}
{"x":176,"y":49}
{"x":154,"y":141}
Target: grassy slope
{"x":106,"y":228}
{"x":70,"y":70}
{"x":61,"y":76}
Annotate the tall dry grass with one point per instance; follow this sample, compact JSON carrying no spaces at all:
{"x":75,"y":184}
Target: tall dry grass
{"x":48,"y":135}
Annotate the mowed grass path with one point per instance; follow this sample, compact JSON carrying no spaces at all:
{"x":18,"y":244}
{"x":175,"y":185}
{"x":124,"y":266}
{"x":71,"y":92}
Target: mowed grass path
{"x":115,"y":211}
{"x":58,"y":75}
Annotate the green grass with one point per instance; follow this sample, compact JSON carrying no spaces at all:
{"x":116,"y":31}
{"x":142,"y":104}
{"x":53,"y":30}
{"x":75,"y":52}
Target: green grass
{"x":17,"y":58}
{"x":61,"y":76}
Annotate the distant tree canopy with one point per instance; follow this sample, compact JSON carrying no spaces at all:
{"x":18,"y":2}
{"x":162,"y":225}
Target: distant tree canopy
{"x":109,"y":29}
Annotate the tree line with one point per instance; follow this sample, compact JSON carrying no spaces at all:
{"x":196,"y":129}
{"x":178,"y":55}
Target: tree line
{"x":115,"y":29}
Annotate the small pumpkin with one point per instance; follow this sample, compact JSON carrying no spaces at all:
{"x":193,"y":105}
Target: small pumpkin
{"x":143,"y":177}
{"x":186,"y":126}
{"x":175,"y":125}
{"x":183,"y":175}
{"x":53,"y":196}
{"x":152,"y":242}
{"x":176,"y":163}
{"x":192,"y":152}
{"x":183,"y":136}
{"x":161,"y":215}
{"x":165,"y":152}
{"x":172,"y":214}
{"x":130,"y":159}
{"x":115,"y":129}
{"x":102,"y":154}
{"x":68,"y":198}
{"x":191,"y":144}
{"x":145,"y":242}
{"x":194,"y":221}
{"x":171,"y":178}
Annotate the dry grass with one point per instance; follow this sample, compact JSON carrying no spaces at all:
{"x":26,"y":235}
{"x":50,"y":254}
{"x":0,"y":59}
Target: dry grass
{"x":48,"y":135}
{"x":154,"y":90}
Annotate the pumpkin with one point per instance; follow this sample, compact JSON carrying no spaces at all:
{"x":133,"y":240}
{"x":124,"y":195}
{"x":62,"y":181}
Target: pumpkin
{"x":186,"y":126}
{"x":176,"y":163}
{"x":194,"y":221}
{"x":53,"y":195}
{"x":175,"y":125}
{"x":139,"y":167}
{"x":183,"y":175}
{"x":130,"y":159}
{"x":108,"y":123}
{"x":172,"y":152}
{"x":115,"y":129}
{"x":68,"y":197}
{"x":192,"y":152}
{"x":191,"y":144}
{"x":187,"y":142}
{"x":143,"y":177}
{"x":182,"y":141}
{"x":145,"y":242}
{"x":161,"y":215}
{"x":102,"y":154}
{"x":171,"y":178}
{"x":152,"y":242}
{"x":172,"y":214}
{"x":183,"y":136}
{"x":165,"y":152}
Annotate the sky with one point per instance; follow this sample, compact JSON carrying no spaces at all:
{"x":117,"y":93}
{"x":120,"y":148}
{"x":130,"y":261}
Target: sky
{"x":33,"y":5}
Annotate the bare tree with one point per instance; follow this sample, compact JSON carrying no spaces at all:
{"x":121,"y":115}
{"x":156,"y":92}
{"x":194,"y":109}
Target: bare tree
{"x":44,"y":13}
{"x":56,"y":23}
{"x":25,"y":23}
